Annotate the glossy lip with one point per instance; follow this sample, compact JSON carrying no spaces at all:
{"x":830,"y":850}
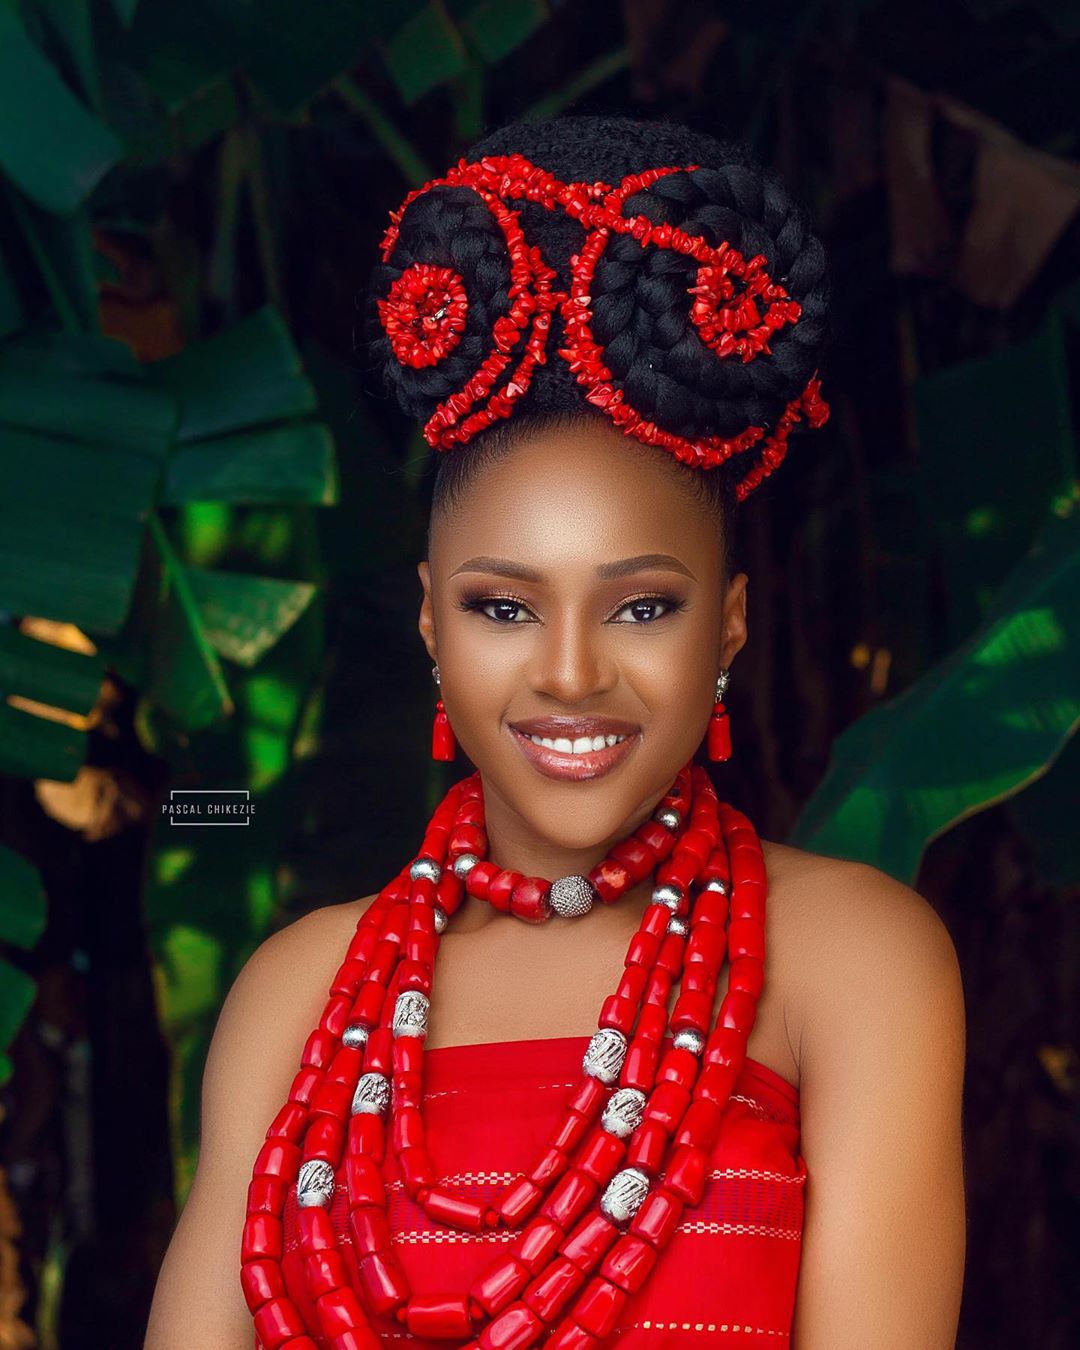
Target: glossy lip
{"x":575,"y":768}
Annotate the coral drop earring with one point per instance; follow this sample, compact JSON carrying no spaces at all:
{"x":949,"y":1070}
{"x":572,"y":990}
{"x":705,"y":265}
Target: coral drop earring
{"x":719,"y":741}
{"x":443,"y":744}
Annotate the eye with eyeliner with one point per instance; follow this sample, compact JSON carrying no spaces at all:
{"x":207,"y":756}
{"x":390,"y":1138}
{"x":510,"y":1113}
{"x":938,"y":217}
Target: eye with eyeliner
{"x":469,"y":603}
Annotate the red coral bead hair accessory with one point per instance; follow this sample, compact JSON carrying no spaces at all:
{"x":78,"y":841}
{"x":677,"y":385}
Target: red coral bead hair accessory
{"x":424,"y":314}
{"x":735,"y":306}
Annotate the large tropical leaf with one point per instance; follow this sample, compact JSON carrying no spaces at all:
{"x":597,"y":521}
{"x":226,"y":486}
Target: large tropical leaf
{"x":243,"y":616}
{"x":22,"y":922}
{"x":82,"y":450}
{"x":293,"y":462}
{"x":495,"y":27}
{"x":248,"y":374}
{"x":50,"y":145}
{"x":62,"y":685}
{"x":995,"y":452}
{"x":424,"y":52}
{"x":982,"y":724}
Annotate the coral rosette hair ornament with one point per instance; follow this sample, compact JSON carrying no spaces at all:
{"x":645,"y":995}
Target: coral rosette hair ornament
{"x":684,"y":300}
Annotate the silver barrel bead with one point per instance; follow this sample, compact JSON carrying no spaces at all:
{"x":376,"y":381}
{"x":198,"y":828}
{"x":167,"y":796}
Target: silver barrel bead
{"x":624,"y":1112}
{"x":625,"y":1194}
{"x":411,"y":1014}
{"x":372,"y":1095}
{"x":315,"y":1184}
{"x":603,"y":1059}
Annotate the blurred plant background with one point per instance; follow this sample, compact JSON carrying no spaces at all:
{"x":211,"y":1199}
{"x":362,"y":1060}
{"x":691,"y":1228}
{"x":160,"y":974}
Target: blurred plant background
{"x":209,"y":525}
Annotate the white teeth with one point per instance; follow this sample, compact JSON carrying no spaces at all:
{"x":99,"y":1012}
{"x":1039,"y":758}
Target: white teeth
{"x":583,"y":745}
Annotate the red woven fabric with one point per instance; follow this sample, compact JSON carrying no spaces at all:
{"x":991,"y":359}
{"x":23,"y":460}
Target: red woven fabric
{"x":730,"y":1272}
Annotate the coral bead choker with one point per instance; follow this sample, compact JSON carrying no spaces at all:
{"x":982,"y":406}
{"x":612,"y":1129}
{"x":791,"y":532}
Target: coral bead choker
{"x":594,"y":1214}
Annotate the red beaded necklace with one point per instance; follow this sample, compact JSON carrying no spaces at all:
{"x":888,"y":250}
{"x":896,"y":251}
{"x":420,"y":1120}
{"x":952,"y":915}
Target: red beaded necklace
{"x":632,"y":1149}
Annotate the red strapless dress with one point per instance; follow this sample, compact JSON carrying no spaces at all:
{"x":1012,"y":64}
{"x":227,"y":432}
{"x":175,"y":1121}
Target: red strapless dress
{"x":729,"y":1274}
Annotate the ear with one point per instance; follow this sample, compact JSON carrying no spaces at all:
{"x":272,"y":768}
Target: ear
{"x":426,"y":623}
{"x":733,"y":625}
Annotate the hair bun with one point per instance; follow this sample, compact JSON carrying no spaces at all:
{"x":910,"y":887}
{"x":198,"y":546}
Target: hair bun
{"x":681,"y":286}
{"x":644,"y":314}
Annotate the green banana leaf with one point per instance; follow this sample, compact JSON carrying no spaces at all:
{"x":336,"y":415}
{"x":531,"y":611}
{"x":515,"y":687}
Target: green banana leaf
{"x":290,"y":463}
{"x":51,"y":147}
{"x":244,"y":616}
{"x":33,"y":746}
{"x":425,"y":51}
{"x":977,"y":728}
{"x":494,"y":28}
{"x":973,"y":418}
{"x":22,"y":922}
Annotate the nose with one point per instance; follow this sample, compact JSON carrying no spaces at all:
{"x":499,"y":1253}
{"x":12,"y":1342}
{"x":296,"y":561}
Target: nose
{"x":570,"y":661}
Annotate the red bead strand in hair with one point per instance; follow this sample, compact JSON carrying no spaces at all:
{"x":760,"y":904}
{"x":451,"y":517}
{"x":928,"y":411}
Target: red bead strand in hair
{"x":631,"y":1148}
{"x":736,"y":323}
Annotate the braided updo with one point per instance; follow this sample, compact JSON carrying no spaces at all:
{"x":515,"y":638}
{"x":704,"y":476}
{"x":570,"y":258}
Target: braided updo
{"x":640,"y":308}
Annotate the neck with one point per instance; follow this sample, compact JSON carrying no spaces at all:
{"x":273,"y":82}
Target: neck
{"x":513,"y":845}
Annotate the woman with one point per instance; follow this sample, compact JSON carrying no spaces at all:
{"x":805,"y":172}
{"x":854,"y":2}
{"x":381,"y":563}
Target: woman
{"x":761,"y":1154}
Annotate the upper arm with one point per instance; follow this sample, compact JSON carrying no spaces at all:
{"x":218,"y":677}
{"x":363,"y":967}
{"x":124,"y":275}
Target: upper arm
{"x":882,"y":1065}
{"x":272,"y":1006}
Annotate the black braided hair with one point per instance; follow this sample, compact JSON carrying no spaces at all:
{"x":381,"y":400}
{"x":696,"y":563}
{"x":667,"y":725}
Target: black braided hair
{"x":639,"y":295}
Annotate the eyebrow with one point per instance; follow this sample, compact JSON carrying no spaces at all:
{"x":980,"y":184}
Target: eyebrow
{"x":506,"y":567}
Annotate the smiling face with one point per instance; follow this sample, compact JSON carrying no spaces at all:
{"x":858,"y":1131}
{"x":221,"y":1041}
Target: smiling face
{"x":577,"y":578}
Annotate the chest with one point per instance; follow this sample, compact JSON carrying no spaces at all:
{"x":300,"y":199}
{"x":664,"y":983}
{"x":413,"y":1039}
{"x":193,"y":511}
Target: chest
{"x":509,"y":981}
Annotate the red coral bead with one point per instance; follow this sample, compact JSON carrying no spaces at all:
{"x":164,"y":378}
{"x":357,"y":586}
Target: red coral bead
{"x":261,"y":1279}
{"x":599,"y":1307}
{"x":439,"y":1316}
{"x":629,"y":1262}
{"x":383,"y":1281}
{"x":549,"y":1293}
{"x":262,"y":1237}
{"x":467,"y":1215}
{"x":537,"y":1243}
{"x":513,"y":1329}
{"x":500,"y":1285}
{"x":276,"y":1322}
{"x":658,"y":1218}
{"x":589,"y":1241}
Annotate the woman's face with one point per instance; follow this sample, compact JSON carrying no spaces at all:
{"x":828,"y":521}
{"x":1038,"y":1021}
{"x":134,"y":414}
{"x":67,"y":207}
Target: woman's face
{"x":527,"y":617}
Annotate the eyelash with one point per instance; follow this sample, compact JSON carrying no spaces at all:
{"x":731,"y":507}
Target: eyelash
{"x":469,"y":603}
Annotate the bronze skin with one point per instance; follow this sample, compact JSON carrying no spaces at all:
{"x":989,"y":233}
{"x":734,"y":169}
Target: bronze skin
{"x":645,"y":647}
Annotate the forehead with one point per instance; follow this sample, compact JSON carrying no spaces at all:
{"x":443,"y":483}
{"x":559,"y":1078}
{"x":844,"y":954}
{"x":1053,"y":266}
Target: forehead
{"x":577,"y":496}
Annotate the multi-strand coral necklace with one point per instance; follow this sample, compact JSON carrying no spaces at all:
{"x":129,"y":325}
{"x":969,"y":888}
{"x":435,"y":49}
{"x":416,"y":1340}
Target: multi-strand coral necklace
{"x":632,"y":1147}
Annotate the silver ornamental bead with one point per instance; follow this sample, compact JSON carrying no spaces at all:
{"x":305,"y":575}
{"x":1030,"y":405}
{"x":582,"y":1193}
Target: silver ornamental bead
{"x":668,"y":895}
{"x":677,"y":925}
{"x":718,"y":884}
{"x":464,"y":864}
{"x":693,"y":1041}
{"x":441,"y":919}
{"x":668,"y":816}
{"x":425,"y":867}
{"x":355,"y":1035}
{"x":571,"y":896}
{"x":624,"y":1194}
{"x":372,"y":1095}
{"x":411,"y":1014}
{"x":624,"y":1112}
{"x":315,"y":1184}
{"x":604,"y":1057}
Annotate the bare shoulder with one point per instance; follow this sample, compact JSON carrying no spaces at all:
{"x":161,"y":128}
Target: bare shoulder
{"x":876,"y":1001}
{"x":844,"y":935}
{"x":301,"y":958}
